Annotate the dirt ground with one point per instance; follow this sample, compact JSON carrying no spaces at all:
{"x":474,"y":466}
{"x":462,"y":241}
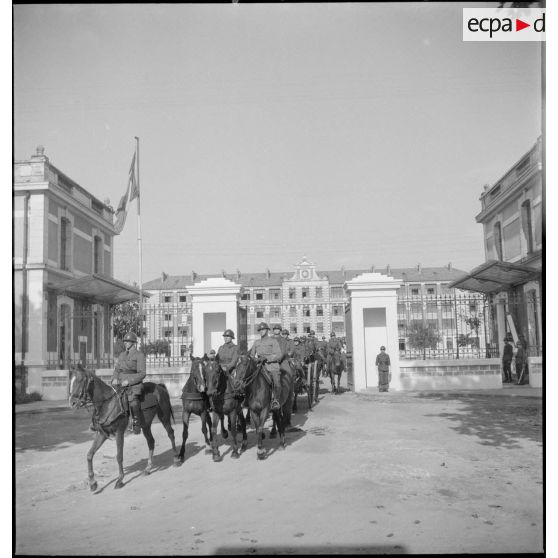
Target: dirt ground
{"x":370,"y":473}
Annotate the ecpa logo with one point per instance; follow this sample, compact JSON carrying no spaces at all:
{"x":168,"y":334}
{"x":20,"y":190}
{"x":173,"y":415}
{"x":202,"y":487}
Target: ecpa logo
{"x":504,"y":24}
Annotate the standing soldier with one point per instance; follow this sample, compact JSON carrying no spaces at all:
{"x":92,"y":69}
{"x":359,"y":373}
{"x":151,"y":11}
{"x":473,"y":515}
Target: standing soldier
{"x":268,"y":350}
{"x":507,"y":358}
{"x":227,"y":356}
{"x":383,"y":363}
{"x":520,"y":363}
{"x":129,"y":372}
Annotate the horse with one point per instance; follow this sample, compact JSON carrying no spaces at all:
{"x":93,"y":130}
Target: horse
{"x":195,"y":400}
{"x":86,"y":388}
{"x":301,"y":386}
{"x":320,"y":370}
{"x":252,"y":381}
{"x":335,"y":367}
{"x":224,"y":400}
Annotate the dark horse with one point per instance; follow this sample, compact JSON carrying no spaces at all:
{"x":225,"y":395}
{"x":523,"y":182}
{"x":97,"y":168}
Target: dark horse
{"x":301,"y":386}
{"x":86,"y":388}
{"x":335,"y":368}
{"x":224,"y":400}
{"x":252,"y":380}
{"x":195,"y":400}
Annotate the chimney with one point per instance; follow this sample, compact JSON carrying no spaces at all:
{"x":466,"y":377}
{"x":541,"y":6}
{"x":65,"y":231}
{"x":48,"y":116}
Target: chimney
{"x":449,"y":266}
{"x":194,"y":275}
{"x":419,"y":268}
{"x":343,"y":271}
{"x":164,"y":276}
{"x":238,"y":274}
{"x":223,"y":273}
{"x":268,"y":273}
{"x":372,"y":268}
{"x":388,"y":269}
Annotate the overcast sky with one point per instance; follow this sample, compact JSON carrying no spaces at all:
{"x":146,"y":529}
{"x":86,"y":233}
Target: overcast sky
{"x":355,"y":134}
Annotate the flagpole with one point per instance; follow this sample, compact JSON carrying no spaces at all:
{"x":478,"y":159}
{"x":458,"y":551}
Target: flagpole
{"x":139,"y":245}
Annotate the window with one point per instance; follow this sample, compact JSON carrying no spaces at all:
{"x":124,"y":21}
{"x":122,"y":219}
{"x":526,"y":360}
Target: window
{"x":306,"y":328}
{"x":275,"y":294}
{"x":306,"y":311}
{"x":245,"y":296}
{"x":64,"y":244}
{"x":319,"y":327}
{"x":431,"y":308}
{"x":292,"y":311}
{"x":416,"y":308}
{"x":337,"y":310}
{"x":319,"y":292}
{"x":431,"y":290}
{"x":97,"y":254}
{"x":512,"y":245}
{"x":259,"y":295}
{"x":415,"y":290}
{"x":336,"y":292}
{"x":448,"y":323}
{"x":183,"y":350}
{"x":183,"y":331}
{"x":167,"y":297}
{"x":401,"y":344}
{"x":319,"y":311}
{"x":168,"y":317}
{"x":305,"y":292}
{"x":293,"y":329}
{"x":498,"y":240}
{"x":168,"y":332}
{"x":259,"y":313}
{"x":527,"y":225}
{"x":275,"y":313}
{"x":473,"y":307}
{"x":338,"y":328}
{"x":292,"y":293}
{"x":182,"y":298}
{"x":449,"y":344}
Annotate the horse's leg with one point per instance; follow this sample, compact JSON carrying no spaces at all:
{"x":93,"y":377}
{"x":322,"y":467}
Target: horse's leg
{"x":214,"y":443}
{"x":205,"y":422}
{"x":185,"y":420}
{"x":258,"y":425}
{"x":151,"y":447}
{"x":98,"y":441}
{"x":281,"y":420}
{"x":294,"y":402}
{"x":242,"y":421}
{"x":232,"y":419}
{"x":273,"y":433}
{"x":119,"y":435}
{"x":165,"y":419}
{"x":224,"y":431}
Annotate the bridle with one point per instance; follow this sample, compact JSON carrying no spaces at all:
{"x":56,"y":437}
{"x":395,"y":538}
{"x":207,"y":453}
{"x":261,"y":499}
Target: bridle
{"x":246,"y":381}
{"x":83,"y":397}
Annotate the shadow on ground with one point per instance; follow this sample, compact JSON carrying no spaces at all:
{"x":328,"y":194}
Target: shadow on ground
{"x":496,"y":421}
{"x":311,"y":549}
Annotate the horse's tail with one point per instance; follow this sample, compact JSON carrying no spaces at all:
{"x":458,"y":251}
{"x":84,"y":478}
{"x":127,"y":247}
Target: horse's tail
{"x":164,"y":392}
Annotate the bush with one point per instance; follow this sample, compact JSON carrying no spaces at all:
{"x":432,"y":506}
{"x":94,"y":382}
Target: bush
{"x":28,"y":397}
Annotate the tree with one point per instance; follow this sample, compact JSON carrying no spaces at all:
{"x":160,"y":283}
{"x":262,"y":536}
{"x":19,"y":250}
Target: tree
{"x":125,"y":318}
{"x":422,"y":336}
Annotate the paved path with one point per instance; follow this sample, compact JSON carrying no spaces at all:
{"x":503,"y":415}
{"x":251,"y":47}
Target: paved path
{"x":363,"y":473}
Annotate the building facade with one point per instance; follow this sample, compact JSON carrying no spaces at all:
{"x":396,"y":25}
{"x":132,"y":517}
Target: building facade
{"x":307,"y":299}
{"x":511,"y":216}
{"x":62,"y":272}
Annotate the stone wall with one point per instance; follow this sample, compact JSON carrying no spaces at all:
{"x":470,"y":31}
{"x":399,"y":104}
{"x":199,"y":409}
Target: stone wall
{"x":451,"y":374}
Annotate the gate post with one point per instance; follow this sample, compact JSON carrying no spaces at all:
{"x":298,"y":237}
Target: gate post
{"x":373,"y":302}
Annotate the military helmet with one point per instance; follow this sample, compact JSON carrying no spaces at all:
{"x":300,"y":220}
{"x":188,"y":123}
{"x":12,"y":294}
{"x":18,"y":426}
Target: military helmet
{"x":323,"y":336}
{"x":212,"y":352}
{"x":285,"y":331}
{"x":131,"y":336}
{"x":296,"y":339}
{"x":262,"y":325}
{"x":332,"y":334}
{"x":228,"y":333}
{"x":276,"y":326}
{"x":382,"y":348}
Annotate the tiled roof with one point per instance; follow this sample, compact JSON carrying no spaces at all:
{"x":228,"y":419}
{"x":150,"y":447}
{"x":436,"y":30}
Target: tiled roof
{"x":336,"y":277}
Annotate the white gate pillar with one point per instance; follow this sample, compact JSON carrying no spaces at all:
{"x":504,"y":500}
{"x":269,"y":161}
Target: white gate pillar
{"x":373,"y":299}
{"x":214,"y":309}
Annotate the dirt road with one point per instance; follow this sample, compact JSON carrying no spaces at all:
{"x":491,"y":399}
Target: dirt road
{"x":367,"y":473}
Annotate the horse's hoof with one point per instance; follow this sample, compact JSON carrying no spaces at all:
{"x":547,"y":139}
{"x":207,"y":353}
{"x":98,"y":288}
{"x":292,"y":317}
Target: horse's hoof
{"x":177,"y":462}
{"x":93,"y":486}
{"x":146,"y":472}
{"x":244,"y":446}
{"x":216,"y":458}
{"x":235,"y":455}
{"x":261,"y":455}
{"x":225,"y":434}
{"x":119,"y":484}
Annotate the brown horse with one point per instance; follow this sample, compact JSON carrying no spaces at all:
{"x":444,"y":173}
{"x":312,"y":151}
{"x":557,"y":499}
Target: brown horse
{"x":224,"y":400}
{"x":335,"y":368}
{"x":252,"y":380}
{"x":195,"y":400}
{"x":86,"y":389}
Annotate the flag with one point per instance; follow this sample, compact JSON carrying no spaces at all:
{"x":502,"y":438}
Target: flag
{"x":120,"y":216}
{"x":132,"y":182}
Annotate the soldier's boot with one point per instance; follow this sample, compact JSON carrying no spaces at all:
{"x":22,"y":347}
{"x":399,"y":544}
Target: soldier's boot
{"x":137,"y":416}
{"x":275,"y":395}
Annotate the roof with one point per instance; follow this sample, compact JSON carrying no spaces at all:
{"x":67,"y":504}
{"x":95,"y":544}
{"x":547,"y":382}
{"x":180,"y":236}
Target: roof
{"x":98,"y":288}
{"x":495,"y":276}
{"x":335,"y":277}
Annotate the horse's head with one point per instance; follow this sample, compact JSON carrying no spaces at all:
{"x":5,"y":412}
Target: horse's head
{"x":241,"y":373}
{"x":80,"y":386}
{"x":213,"y":375}
{"x":197,"y":374}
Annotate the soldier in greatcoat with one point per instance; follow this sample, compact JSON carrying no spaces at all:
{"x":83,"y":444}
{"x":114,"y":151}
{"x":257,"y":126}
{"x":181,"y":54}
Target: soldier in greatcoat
{"x":507,"y":358}
{"x":383,"y":363}
{"x":267,"y":350}
{"x":227,"y":356}
{"x":129,"y":373}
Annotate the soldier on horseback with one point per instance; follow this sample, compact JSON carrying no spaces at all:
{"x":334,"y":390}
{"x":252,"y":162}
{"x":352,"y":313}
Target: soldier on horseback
{"x":129,"y":373}
{"x":268,"y":352}
{"x":290,"y":343}
{"x":334,"y":344}
{"x":227,"y":356}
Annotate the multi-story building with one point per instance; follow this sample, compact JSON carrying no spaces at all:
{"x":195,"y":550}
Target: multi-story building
{"x":306,"y":299}
{"x":63,"y":265}
{"x":511,"y":217}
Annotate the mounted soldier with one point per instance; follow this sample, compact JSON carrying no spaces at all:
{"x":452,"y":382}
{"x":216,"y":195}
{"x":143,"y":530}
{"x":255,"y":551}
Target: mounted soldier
{"x":129,"y":373}
{"x":267,"y":351}
{"x":227,"y":356}
{"x":334,"y":344}
{"x":290,"y":343}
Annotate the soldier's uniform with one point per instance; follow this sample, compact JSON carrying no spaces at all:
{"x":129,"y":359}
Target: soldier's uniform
{"x":289,"y":342}
{"x":383,"y":363}
{"x":333,"y":345}
{"x":227,"y":356}
{"x":267,"y":347}
{"x":130,"y":366}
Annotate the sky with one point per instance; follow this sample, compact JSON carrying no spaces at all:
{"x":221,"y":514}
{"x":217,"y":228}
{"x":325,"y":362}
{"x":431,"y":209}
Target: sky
{"x":355,"y":134}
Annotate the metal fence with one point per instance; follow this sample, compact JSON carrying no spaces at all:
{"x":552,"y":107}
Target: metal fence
{"x":446,"y":327}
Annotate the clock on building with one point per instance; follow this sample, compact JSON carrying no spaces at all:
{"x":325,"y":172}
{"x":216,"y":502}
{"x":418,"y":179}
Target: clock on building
{"x":305,"y":274}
